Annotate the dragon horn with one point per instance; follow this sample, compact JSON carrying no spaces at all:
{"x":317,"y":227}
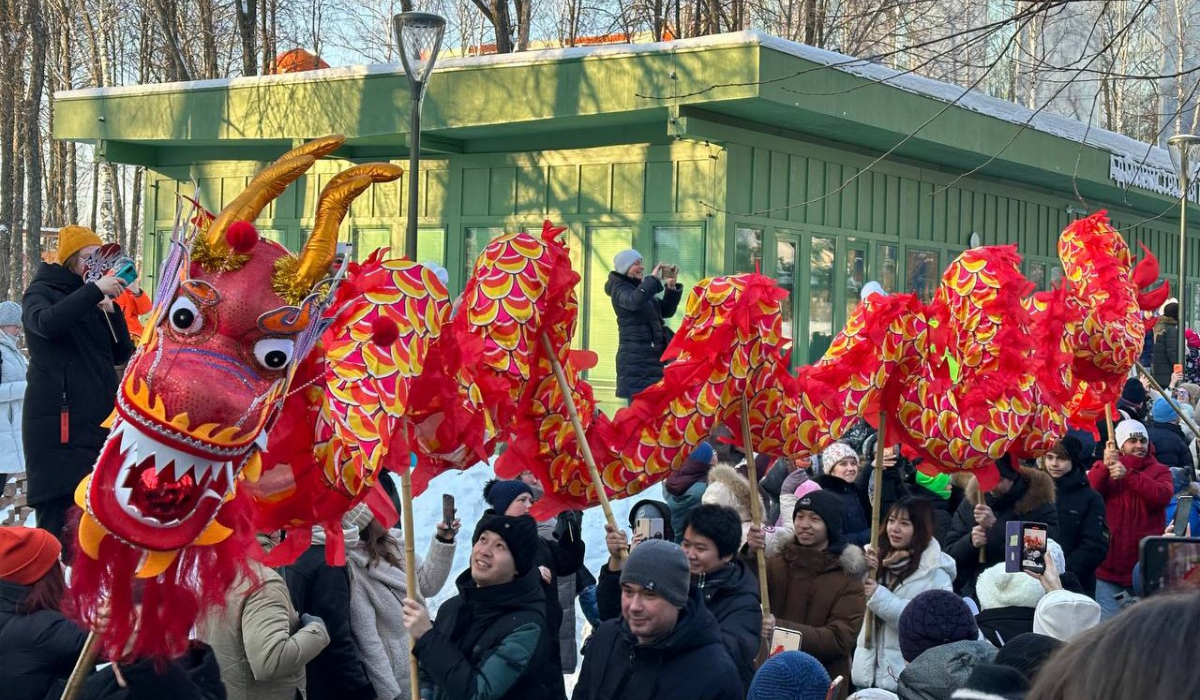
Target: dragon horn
{"x":332,"y":206}
{"x":265,"y":187}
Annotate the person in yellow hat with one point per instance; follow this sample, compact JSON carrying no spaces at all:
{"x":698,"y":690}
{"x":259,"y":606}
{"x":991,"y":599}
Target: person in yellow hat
{"x":76,"y":337}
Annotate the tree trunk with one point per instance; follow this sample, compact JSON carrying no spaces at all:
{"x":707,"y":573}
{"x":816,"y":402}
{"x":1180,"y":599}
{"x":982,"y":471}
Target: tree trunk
{"x":208,"y":40}
{"x":8,"y":79}
{"x":135,"y":210}
{"x":13,"y":250}
{"x":247,"y":19}
{"x":33,"y":145}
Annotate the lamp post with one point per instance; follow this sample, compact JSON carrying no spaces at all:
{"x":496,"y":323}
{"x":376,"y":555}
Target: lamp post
{"x":1180,"y":146}
{"x":419,"y":35}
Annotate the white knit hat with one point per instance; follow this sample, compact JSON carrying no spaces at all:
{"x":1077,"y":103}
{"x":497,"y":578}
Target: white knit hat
{"x":835,"y":453}
{"x":10,"y":313}
{"x":1127,"y":429}
{"x":870,"y":288}
{"x":625,"y":260}
{"x":999,"y":589}
{"x":1065,"y":615}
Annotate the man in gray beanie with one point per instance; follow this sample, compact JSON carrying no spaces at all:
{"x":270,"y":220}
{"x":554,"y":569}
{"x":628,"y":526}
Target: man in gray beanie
{"x":642,"y":335}
{"x":666,"y":645}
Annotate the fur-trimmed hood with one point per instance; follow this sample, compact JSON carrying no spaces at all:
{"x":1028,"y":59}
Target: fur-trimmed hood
{"x":852,"y":561}
{"x":727,"y":487}
{"x":1040,"y":492}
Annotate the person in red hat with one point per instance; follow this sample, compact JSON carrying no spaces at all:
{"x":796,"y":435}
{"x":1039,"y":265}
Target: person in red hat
{"x":38,"y":643}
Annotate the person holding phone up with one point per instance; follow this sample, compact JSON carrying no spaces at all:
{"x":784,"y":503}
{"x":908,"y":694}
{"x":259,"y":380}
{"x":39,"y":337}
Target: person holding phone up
{"x":640,"y":312}
{"x":1136,"y":489}
{"x":76,"y":337}
{"x":134,"y":303}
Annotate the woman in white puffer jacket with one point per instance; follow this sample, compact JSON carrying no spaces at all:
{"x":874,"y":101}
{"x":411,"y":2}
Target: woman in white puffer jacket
{"x":908,"y":563}
{"x":12,"y":392}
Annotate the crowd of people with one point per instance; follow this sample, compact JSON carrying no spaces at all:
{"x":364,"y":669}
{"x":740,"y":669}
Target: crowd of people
{"x":810,"y":601}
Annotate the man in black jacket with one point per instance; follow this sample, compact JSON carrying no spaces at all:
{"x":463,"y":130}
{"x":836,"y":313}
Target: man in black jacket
{"x":323,"y":591}
{"x":666,"y":645}
{"x":491,"y":641}
{"x":712,"y":535}
{"x":1082,"y":527}
{"x":76,"y":338}
{"x":642,"y":334}
{"x":1022,"y":494}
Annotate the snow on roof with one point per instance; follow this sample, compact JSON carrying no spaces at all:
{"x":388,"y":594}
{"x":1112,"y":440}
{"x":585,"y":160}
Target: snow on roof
{"x":1056,"y":125}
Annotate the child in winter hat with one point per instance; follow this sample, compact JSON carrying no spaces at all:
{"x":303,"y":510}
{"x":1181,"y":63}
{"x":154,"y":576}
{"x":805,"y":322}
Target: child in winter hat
{"x":932,"y":619}
{"x":790,"y":675}
{"x":662,"y":567}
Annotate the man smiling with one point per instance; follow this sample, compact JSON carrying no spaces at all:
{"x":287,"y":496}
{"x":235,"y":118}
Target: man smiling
{"x":666,"y":645}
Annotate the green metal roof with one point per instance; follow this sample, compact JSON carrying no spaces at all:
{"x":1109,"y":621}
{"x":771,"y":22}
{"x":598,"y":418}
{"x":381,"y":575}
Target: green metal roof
{"x":571,"y":98}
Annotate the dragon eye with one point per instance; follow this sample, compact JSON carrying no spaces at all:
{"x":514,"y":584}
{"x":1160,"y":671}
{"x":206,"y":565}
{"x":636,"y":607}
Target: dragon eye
{"x":185,"y":317}
{"x":273,"y":353}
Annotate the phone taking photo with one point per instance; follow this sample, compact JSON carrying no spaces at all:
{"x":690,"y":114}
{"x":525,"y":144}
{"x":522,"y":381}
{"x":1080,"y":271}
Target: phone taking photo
{"x":651,"y":528}
{"x":1170,"y":563}
{"x":127,"y":273}
{"x":448,"y":510}
{"x":1025,"y":547}
{"x":1183,"y":512}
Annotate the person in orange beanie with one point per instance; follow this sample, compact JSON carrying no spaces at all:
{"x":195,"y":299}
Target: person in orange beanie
{"x":76,"y":338}
{"x":38,"y":643}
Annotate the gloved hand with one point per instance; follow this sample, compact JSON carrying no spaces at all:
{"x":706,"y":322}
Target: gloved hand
{"x":306,"y":620}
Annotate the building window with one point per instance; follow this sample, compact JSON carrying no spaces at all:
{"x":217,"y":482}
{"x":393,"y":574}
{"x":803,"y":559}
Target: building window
{"x":431,"y":245}
{"x":603,"y":244}
{"x":747,"y":250}
{"x":785,"y":274}
{"x":1037,"y":275}
{"x":921,"y":268}
{"x":820,"y":297}
{"x":369,"y":240}
{"x":1056,"y":275}
{"x":886,"y":263}
{"x":682,"y":246}
{"x":273,"y":234}
{"x":475,"y":240}
{"x":856,"y":277}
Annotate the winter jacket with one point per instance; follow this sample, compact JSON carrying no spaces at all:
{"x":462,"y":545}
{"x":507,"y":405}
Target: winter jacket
{"x":491,"y":643}
{"x":1082,"y":527}
{"x":727,"y":487}
{"x":316,"y":588}
{"x":1031,"y":498}
{"x":680,"y":506}
{"x":1166,"y":350}
{"x":819,"y":593}
{"x":567,"y":524}
{"x":880,"y":666}
{"x":376,"y":595}
{"x":193,"y":676}
{"x":1170,"y":446}
{"x":37,"y":651}
{"x":771,"y":487}
{"x":642,"y":336}
{"x":1135,"y":507}
{"x":856,"y":508}
{"x":999,"y":625}
{"x":691,"y":663}
{"x":72,"y":356}
{"x":12,"y":398}
{"x":940,"y":671}
{"x":133,"y":307}
{"x":730,"y":594}
{"x":258,"y":640}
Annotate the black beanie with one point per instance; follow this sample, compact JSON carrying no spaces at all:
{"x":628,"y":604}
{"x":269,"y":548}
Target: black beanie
{"x":1007,"y":471}
{"x":993,"y":682}
{"x":829,"y":507}
{"x":1134,"y":392}
{"x":1027,"y":652}
{"x":520,"y":534}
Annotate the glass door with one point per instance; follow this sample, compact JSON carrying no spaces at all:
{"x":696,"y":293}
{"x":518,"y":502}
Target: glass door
{"x":783,"y":268}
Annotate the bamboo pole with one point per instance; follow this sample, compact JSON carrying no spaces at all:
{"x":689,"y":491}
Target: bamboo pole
{"x":1166,"y":395}
{"x":85,"y":663}
{"x":876,"y":497}
{"x":580,"y":435}
{"x":410,"y":565}
{"x":755,"y":503}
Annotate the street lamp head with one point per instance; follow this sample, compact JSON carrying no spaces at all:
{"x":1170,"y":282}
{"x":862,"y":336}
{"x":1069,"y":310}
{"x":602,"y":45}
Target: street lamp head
{"x":419,"y":35}
{"x":1180,"y":147}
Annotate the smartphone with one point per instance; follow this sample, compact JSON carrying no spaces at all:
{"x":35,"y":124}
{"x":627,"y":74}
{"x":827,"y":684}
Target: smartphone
{"x":784,"y":639}
{"x":1177,"y":369}
{"x":1025,"y":547}
{"x":651,"y":528}
{"x":448,"y":510}
{"x":127,"y":273}
{"x":1170,"y":563}
{"x":1183,"y":512}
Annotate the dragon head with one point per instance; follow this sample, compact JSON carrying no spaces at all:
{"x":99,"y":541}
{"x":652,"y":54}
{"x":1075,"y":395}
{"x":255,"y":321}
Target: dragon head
{"x":232,"y":320}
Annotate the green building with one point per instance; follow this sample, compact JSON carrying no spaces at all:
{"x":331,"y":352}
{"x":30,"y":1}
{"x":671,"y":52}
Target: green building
{"x":719,"y":154}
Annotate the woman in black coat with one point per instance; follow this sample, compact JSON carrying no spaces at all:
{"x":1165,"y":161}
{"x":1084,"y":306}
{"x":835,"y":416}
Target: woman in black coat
{"x":76,"y":337}
{"x":1082,"y":528}
{"x":640,"y":314}
{"x":38,"y":644}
